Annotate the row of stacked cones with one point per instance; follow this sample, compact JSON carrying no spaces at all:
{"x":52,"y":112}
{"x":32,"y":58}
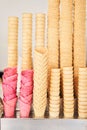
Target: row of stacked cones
{"x":26,"y":89}
{"x":10,"y":77}
{"x":68,"y":93}
{"x":43,"y":61}
{"x":10,"y":98}
{"x":10,"y":74}
{"x":40,"y":69}
{"x":9,"y":92}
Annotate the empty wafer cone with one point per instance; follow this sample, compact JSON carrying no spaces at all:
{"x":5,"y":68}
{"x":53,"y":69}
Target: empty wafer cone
{"x":68,"y":93}
{"x":82,"y":92}
{"x":54,"y":91}
{"x":40,"y":30}
{"x":27,"y":41}
{"x":66,"y":35}
{"x":53,"y":29}
{"x":82,"y":115}
{"x":79,"y":38}
{"x":12,"y":41}
{"x":68,"y":115}
{"x":40,"y":82}
{"x":54,"y":114}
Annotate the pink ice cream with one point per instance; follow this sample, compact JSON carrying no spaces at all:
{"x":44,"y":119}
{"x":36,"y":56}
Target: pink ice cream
{"x":9,"y":108}
{"x":9,"y":87}
{"x":26,"y":91}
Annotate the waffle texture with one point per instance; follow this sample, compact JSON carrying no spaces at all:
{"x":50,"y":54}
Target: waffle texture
{"x":12,"y":41}
{"x":40,"y":30}
{"x":82,"y":93}
{"x":26,"y":41}
{"x":40,"y":82}
{"x":53,"y":36}
{"x":66,"y":28}
{"x":79,"y":39}
{"x":68,"y":92}
{"x":54,"y":98}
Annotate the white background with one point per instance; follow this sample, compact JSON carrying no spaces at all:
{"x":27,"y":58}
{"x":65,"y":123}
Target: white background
{"x":16,"y":8}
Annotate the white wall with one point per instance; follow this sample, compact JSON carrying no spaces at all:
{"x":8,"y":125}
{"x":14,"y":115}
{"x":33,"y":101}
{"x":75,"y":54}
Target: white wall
{"x":15,"y":8}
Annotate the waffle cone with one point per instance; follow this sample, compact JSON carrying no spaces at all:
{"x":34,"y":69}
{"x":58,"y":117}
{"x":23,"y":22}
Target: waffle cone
{"x":40,"y":30}
{"x":12,"y":40}
{"x":40,"y":86}
{"x":79,"y":39}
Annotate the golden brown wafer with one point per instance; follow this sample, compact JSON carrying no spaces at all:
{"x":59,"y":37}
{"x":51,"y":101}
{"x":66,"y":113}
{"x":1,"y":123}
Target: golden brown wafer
{"x":12,"y":41}
{"x":53,"y":37}
{"x":40,"y":30}
{"x":27,"y":41}
{"x":54,"y":91}
{"x":40,"y":82}
{"x":79,"y":37}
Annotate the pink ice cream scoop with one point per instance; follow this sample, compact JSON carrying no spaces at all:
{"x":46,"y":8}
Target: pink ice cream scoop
{"x":10,"y":97}
{"x":8,"y":90}
{"x":9,"y":72}
{"x":26,"y":91}
{"x":27,"y":83}
{"x":10,"y":78}
{"x":27,"y":75}
{"x":27,"y":99}
{"x":24,"y":109}
{"x":9,"y":108}
{"x":9,"y":87}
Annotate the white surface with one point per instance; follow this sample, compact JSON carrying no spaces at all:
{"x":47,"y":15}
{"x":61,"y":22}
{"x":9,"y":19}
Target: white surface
{"x":46,"y":124}
{"x":15,"y":8}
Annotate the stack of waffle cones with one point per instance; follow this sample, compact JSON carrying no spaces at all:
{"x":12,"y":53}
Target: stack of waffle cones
{"x":82,"y":93}
{"x":79,"y":38}
{"x":40,"y":82}
{"x":53,"y":36}
{"x":66,"y":33}
{"x":73,"y":15}
{"x":40,"y":30}
{"x":54,"y":98}
{"x":27,"y":41}
{"x":68,"y":92}
{"x":26,"y":89}
{"x":12,"y":41}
